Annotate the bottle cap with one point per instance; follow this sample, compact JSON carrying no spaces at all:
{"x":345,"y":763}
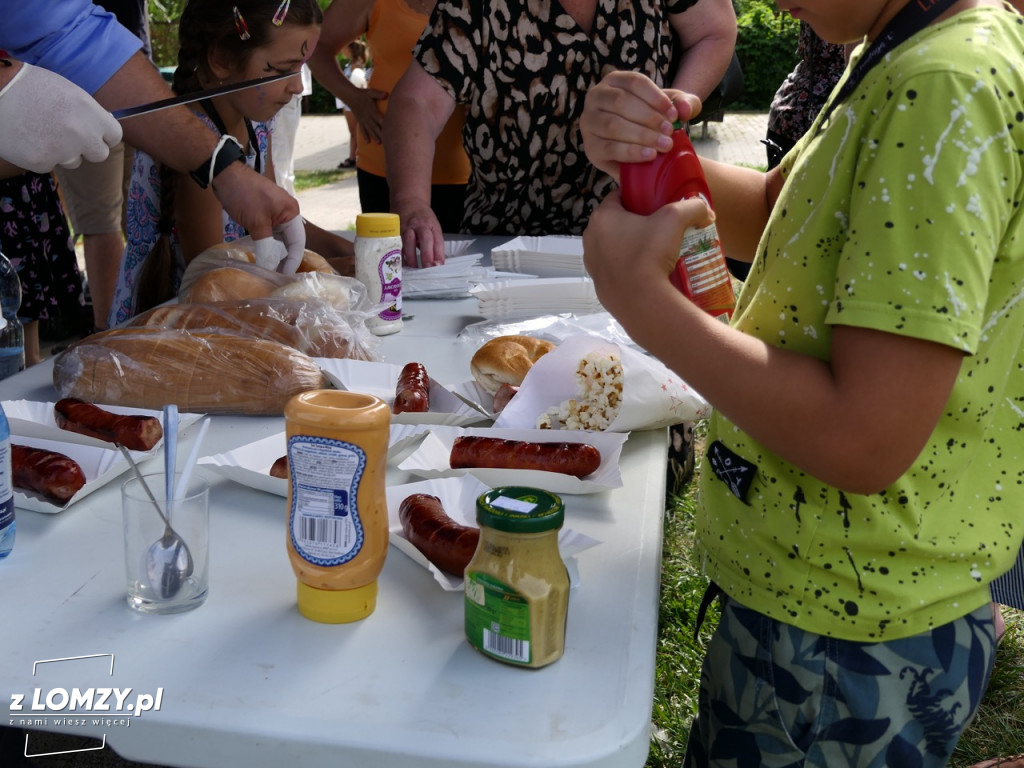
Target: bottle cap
{"x":515,"y":509}
{"x":377,"y":225}
{"x":337,"y":606}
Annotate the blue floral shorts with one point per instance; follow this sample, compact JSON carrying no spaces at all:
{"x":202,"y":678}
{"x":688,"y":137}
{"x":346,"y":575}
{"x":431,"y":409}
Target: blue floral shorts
{"x":772,"y":695}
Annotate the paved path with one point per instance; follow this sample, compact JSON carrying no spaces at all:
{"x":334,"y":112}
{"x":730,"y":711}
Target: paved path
{"x":322,"y":143}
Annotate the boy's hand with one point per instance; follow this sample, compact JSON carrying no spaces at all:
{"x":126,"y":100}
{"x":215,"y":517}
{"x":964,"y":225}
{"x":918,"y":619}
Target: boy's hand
{"x":628,"y":119}
{"x":629,"y":256}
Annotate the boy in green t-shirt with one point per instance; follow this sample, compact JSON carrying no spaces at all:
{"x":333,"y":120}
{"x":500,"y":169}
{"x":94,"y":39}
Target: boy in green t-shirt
{"x":864,"y":480}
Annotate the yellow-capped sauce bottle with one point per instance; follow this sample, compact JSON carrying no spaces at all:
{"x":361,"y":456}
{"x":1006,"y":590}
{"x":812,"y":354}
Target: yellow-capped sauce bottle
{"x":337,"y":504}
{"x":517,"y":585}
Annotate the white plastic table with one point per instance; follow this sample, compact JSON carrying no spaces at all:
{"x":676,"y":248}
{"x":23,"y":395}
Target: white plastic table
{"x":246,"y":680}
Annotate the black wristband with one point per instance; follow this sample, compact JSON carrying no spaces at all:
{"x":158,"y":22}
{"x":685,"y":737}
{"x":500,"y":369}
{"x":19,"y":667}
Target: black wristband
{"x":227,"y":151}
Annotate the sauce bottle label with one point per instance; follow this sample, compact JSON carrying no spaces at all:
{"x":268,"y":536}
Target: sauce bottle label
{"x":323,"y":521}
{"x":707,"y":282}
{"x":390,"y":274}
{"x":497,"y":619}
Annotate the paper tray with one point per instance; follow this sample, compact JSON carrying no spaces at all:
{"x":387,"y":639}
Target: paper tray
{"x":250,"y":464}
{"x":431,"y":459}
{"x":99,"y":465}
{"x":34,"y":418}
{"x":381,"y":379}
{"x":458,"y":497}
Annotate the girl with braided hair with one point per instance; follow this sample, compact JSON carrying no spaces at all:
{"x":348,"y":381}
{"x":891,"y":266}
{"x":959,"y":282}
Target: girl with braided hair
{"x":170,"y":218}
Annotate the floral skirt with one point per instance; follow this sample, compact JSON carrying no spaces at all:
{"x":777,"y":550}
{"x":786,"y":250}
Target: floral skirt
{"x":34,"y":235}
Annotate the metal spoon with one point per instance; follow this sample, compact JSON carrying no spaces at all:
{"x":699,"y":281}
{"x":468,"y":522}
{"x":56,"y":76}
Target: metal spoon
{"x":168,"y":561}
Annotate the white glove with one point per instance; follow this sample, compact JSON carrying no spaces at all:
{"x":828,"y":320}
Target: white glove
{"x":268,"y":249}
{"x":46,"y":121}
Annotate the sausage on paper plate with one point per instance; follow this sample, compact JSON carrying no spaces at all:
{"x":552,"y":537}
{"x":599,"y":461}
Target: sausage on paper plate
{"x":136,"y":433}
{"x":52,"y":474}
{"x":412,"y":395}
{"x":280,"y":468}
{"x":447,"y":544}
{"x":577,"y":459}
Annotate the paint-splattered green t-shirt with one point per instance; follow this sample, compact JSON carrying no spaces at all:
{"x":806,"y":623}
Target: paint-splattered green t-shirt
{"x":900,"y":213}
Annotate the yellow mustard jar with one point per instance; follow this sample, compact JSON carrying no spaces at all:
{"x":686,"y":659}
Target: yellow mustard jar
{"x":517,"y":585}
{"x":337,"y":504}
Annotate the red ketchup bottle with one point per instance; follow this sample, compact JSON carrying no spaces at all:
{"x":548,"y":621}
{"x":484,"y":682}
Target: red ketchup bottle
{"x":701,"y":272}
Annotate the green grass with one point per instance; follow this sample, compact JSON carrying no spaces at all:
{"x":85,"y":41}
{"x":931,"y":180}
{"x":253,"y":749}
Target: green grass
{"x":998,"y":728}
{"x":311,"y":179}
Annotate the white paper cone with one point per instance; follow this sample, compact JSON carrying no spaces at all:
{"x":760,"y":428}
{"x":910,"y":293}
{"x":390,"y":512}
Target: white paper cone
{"x":653,"y":396}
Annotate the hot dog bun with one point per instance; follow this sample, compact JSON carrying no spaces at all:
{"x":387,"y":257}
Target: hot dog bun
{"x":506,"y":360}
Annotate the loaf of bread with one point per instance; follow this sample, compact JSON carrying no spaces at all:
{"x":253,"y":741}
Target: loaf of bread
{"x":242,"y":250}
{"x":314,"y":262}
{"x":506,"y":360}
{"x":226,"y":284}
{"x":240,"y":318}
{"x":209,"y":373}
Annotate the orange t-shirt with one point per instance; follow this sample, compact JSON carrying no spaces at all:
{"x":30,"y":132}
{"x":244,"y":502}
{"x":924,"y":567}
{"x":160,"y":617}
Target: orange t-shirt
{"x":394,"y":30}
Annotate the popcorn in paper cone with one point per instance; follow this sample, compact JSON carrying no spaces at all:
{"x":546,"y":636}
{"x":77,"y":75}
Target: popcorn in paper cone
{"x":589,"y":383}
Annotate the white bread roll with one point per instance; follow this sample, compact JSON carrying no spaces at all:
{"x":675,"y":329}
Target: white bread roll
{"x":506,"y":360}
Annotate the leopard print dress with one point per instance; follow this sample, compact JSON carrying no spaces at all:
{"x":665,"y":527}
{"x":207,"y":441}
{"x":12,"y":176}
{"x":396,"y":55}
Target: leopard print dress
{"x":522,"y":68}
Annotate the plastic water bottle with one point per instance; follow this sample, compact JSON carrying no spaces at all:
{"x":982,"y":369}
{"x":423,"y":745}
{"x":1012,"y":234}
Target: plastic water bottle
{"x":6,"y":489}
{"x":12,"y":334}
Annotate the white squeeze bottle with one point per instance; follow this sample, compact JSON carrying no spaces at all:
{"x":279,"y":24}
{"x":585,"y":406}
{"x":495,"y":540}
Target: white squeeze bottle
{"x":378,"y":250}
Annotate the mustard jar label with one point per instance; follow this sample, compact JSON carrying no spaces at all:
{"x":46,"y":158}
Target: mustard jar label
{"x":497,"y":619}
{"x":324,"y":521}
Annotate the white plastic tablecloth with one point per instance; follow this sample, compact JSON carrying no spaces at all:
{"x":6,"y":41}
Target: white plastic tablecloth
{"x":246,"y":680}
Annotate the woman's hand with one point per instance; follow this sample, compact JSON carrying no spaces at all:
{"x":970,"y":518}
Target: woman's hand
{"x":422,"y":239}
{"x":630,"y":256}
{"x":368,"y":114}
{"x":628,"y":119}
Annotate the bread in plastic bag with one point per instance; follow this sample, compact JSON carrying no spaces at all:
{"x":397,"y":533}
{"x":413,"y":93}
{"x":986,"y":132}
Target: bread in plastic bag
{"x":225,"y":273}
{"x":208,"y":373}
{"x":313,"y":326}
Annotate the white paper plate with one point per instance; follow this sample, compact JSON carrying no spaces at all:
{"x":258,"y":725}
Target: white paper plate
{"x":431,"y":459}
{"x":458,"y":497}
{"x":508,"y":299}
{"x":99,"y":465}
{"x":250,"y":464}
{"x":547,"y":256}
{"x":33,"y":418}
{"x":380,"y":380}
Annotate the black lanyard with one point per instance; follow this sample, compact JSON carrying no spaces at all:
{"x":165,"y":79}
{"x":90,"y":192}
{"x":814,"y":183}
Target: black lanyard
{"x":214,"y":115}
{"x":911,"y":19}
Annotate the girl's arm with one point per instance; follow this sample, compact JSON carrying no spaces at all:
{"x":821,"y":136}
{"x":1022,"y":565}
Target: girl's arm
{"x":856,"y":422}
{"x":198,"y":216}
{"x":339,"y":252}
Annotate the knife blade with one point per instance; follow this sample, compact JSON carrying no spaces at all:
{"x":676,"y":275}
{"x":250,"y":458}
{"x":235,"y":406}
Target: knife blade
{"x":188,"y":98}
